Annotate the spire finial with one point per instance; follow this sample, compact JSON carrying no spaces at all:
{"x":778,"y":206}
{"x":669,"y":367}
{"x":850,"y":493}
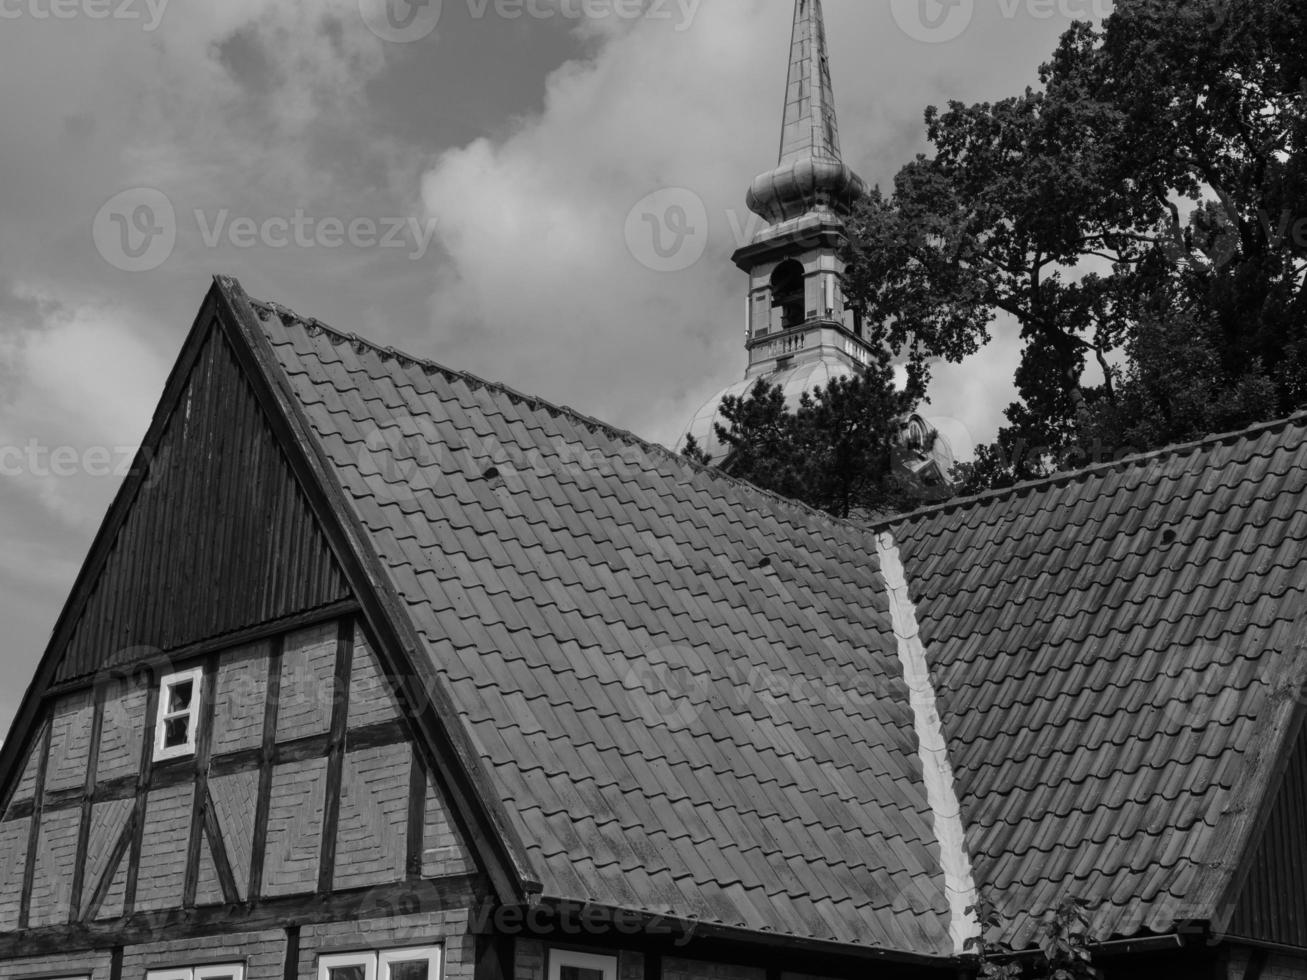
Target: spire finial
{"x":810,"y":128}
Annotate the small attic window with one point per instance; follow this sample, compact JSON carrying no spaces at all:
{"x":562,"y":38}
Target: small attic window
{"x":179,"y":714}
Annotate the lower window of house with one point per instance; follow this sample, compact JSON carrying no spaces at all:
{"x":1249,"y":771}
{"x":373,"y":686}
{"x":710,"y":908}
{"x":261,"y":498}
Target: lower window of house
{"x":571,"y":964}
{"x":220,"y":971}
{"x":418,"y":963}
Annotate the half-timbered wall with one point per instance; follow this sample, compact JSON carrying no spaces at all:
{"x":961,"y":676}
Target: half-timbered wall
{"x":304,"y":782}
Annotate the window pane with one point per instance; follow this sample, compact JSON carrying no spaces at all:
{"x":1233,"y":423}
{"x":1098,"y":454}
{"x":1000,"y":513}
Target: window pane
{"x":579,"y":973}
{"x":175,"y":731}
{"x":179,"y":696}
{"x":355,"y":971}
{"x":409,"y":970}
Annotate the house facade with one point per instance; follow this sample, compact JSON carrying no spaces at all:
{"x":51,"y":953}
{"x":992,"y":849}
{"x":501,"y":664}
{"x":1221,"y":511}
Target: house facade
{"x":380,"y":671}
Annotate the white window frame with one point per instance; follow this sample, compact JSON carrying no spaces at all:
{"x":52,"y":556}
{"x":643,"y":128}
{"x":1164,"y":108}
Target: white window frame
{"x":429,"y":953}
{"x":366,"y":960}
{"x":559,"y":958}
{"x":234,"y":970}
{"x":162,"y":752}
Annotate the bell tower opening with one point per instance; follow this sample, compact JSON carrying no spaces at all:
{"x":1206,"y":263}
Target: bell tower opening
{"x":787,"y":290}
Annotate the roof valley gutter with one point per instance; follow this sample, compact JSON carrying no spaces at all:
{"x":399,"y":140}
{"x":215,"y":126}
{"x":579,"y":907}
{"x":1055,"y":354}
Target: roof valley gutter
{"x":937,"y":770}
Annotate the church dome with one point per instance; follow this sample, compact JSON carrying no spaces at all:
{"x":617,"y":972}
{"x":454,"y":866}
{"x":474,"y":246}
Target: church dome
{"x":802,"y":185}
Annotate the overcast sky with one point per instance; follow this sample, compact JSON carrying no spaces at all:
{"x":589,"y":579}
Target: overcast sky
{"x":466,"y":180}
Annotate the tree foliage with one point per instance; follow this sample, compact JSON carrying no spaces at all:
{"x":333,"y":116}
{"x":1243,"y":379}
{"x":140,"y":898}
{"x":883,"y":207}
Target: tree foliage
{"x":1141,"y":218}
{"x":836,"y":450}
{"x":1063,"y":939}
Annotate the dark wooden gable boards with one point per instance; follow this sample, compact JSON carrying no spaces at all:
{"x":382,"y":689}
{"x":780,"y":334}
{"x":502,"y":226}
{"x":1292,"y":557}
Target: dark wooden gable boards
{"x":1272,"y":880}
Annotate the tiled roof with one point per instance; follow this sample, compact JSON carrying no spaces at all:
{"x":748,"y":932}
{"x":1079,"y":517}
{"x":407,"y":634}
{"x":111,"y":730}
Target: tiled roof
{"x":1115,"y":654}
{"x":687,"y":693}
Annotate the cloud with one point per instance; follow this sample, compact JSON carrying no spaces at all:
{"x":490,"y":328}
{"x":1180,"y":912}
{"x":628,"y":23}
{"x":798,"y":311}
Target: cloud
{"x":83,"y":384}
{"x":261,"y":107}
{"x":545,"y":287}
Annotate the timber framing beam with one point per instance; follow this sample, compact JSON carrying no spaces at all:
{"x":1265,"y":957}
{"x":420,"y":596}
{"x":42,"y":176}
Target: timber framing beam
{"x":87,"y":804}
{"x":181,"y":772}
{"x":432,"y":895}
{"x":336,"y":754}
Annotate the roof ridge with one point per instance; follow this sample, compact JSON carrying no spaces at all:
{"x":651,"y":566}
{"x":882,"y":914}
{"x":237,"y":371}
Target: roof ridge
{"x":870,"y":528}
{"x":1065,"y":477}
{"x":535,"y":401}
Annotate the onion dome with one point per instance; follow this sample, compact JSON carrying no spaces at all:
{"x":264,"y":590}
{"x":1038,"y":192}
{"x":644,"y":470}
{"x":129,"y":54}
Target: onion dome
{"x":811,"y":173}
{"x":803,"y":185}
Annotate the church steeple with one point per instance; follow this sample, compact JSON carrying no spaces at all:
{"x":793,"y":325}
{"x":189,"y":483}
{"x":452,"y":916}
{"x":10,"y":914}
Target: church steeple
{"x":809,"y":127}
{"x":800,"y":333}
{"x":794,"y":262}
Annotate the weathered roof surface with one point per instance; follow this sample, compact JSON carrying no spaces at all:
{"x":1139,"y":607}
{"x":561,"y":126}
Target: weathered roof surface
{"x":1115,"y":654}
{"x":670,"y":724}
{"x":686,"y":691}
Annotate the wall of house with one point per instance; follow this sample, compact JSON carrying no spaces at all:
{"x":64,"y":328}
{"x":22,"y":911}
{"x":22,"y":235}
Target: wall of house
{"x":531,"y":952}
{"x":96,"y":966}
{"x":448,"y":929}
{"x":532,"y":960}
{"x":1283,"y":967}
{"x":1251,"y":963}
{"x":263,"y":953}
{"x":300,"y":785}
